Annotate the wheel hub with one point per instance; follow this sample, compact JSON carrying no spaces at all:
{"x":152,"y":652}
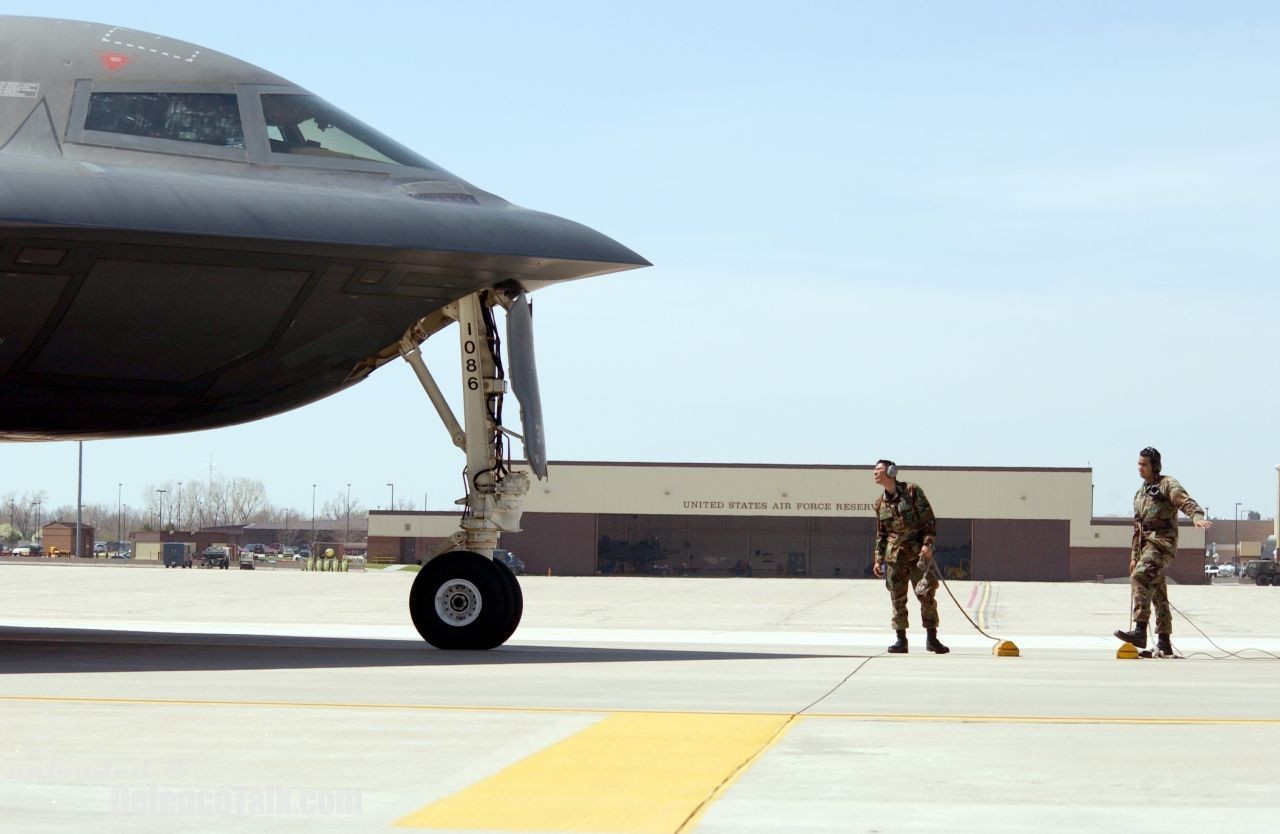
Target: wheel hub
{"x":458,"y":602}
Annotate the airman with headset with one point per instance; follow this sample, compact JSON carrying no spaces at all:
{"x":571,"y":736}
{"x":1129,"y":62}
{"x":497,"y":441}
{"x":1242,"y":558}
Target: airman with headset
{"x":1155,"y":542}
{"x":905,"y":533}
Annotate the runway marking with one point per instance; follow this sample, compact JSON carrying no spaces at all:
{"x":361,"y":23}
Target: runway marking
{"x":982,"y":606}
{"x":959,"y":718}
{"x":1042,"y":719}
{"x":630,"y":773}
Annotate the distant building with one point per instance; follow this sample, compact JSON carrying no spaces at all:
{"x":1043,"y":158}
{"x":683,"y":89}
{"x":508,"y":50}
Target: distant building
{"x":1000,"y":523}
{"x":61,"y":535}
{"x":1253,"y":534}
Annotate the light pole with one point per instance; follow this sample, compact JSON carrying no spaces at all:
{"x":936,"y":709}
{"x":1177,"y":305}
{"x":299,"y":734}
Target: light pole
{"x":160,"y":510}
{"x":1237,"y":552}
{"x":179,"y":505}
{"x":119,"y":515}
{"x":75,"y":549}
{"x":1275,"y":554}
{"x":393,"y":496}
{"x":348,"y":533}
{"x":36,"y":503}
{"x":313,"y":515}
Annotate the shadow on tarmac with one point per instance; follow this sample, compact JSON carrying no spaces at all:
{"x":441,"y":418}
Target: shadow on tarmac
{"x":26,"y":650}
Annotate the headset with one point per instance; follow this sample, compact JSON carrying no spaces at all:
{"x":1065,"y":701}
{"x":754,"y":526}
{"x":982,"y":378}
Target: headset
{"x":1152,"y":454}
{"x":890,"y":468}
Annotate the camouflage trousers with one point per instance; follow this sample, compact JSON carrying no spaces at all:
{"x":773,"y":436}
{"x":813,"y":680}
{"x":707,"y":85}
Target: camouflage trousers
{"x":1147,"y":581}
{"x":902,"y":575}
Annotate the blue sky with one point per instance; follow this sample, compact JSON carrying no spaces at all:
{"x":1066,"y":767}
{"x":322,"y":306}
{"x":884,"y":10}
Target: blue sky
{"x":1004,"y":234}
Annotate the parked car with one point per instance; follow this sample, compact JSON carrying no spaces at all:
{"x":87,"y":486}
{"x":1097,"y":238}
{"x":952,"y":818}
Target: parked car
{"x":28,"y":550}
{"x":1226,"y":570}
{"x":246,"y":560}
{"x":99,"y":548}
{"x":256,"y":547}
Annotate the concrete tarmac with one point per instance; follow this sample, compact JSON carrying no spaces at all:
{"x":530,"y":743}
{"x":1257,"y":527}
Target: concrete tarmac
{"x":136,"y":699}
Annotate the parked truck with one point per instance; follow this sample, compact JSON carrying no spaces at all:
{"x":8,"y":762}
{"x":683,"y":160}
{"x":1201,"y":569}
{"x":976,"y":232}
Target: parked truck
{"x":216,"y":556}
{"x":177,"y":554}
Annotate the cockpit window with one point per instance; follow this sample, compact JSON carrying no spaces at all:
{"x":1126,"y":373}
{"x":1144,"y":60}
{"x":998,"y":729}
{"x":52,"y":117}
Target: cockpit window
{"x":306,"y":125}
{"x":206,"y":118}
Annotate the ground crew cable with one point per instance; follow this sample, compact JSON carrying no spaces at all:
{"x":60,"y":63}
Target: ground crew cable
{"x":1127,"y":651}
{"x":1227,"y":652}
{"x":1002,"y":648}
{"x":694,"y":816}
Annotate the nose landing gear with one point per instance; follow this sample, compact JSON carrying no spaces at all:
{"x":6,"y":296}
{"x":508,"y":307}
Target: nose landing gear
{"x":463,"y":598}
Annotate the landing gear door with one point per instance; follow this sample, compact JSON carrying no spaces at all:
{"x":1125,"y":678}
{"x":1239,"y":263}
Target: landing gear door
{"x":524,"y":382}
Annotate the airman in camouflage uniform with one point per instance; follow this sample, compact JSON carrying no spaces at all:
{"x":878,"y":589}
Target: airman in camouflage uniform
{"x":1155,"y":543}
{"x":905,"y":534}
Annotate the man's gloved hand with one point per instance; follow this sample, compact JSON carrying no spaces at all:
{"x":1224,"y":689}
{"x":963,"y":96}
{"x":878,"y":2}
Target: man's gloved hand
{"x":922,"y":587}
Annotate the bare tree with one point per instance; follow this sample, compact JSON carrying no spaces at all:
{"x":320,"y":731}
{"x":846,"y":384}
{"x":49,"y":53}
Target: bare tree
{"x":246,"y":497}
{"x":337,"y":509}
{"x":24,"y":512}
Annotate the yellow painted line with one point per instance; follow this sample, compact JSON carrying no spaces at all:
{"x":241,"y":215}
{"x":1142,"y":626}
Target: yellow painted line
{"x":324,"y":705}
{"x":982,"y":606}
{"x":199,"y":702}
{"x":851,"y":716}
{"x":630,"y":773}
{"x":1037,"y":719}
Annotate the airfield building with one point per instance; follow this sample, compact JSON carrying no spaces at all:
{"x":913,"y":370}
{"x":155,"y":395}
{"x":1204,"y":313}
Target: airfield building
{"x":994,"y":523}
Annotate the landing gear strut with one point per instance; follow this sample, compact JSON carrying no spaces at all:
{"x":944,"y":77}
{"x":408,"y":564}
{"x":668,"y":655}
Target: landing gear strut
{"x":463,"y":598}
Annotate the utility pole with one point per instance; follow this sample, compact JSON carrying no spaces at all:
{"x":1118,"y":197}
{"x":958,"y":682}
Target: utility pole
{"x":348,"y":534}
{"x":313,"y":515}
{"x":119,"y":515}
{"x":393,"y":497}
{"x":160,"y":510}
{"x":179,"y":525}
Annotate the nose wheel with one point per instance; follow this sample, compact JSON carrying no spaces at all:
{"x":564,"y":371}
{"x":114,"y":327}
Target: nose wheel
{"x":462,"y":600}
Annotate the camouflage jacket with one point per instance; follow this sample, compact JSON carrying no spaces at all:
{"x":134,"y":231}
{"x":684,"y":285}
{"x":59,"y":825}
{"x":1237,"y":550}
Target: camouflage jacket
{"x":1155,"y":514}
{"x":903,"y":520}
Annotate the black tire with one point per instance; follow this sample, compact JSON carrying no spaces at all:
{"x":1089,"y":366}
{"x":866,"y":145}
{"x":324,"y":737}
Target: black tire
{"x":1263,"y":580}
{"x":461,"y":600}
{"x":517,"y":598}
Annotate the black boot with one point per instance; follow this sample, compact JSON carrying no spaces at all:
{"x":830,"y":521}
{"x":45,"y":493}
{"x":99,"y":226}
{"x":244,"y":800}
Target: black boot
{"x":933,"y":644}
{"x":1137,"y":637}
{"x":1163,"y":646}
{"x":899,"y":647}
